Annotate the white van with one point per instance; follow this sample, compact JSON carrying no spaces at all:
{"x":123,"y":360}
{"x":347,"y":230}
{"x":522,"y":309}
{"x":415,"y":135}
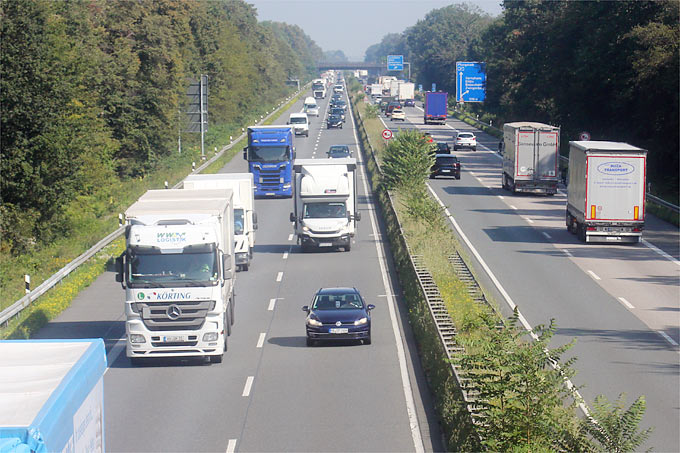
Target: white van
{"x":311,"y":107}
{"x":300,"y":123}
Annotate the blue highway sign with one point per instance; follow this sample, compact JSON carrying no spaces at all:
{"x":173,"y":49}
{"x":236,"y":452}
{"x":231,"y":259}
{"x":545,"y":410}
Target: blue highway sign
{"x":470,"y":81}
{"x":395,"y":62}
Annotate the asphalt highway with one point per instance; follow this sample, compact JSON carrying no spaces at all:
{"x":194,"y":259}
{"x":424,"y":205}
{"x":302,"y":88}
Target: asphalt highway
{"x":620,"y":303}
{"x":272,"y":392}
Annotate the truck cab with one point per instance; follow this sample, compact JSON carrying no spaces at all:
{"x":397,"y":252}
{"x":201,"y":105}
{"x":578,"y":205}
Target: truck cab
{"x":270,"y":155}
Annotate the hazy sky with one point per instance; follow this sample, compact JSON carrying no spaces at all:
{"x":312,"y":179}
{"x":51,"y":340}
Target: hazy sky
{"x":354,"y":25}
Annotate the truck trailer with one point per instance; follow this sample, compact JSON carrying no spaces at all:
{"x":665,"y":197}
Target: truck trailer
{"x":606,"y":201}
{"x":531,"y":157}
{"x":177,"y":272}
{"x":325,"y":207}
{"x":52,"y":395}
{"x":406,"y":91}
{"x":245,"y":217}
{"x":435,"y":108}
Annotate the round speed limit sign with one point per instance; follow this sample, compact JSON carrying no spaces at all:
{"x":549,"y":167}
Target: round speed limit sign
{"x":584,"y":136}
{"x":386,"y":134}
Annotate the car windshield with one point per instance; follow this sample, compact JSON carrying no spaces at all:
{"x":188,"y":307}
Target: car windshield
{"x":443,"y":146}
{"x":343,"y":148}
{"x":325,"y":210}
{"x":338,"y":153}
{"x":348,"y":301}
{"x":268,"y":153}
{"x":465,"y":135}
{"x":337,"y":111}
{"x":446,"y":160}
{"x":161,"y":269}
{"x":238,"y":221}
{"x":298,"y":120}
{"x":334,"y":118}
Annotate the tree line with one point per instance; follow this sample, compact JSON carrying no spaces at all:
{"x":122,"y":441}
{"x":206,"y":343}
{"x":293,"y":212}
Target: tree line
{"x":91,"y":93}
{"x":609,"y":68}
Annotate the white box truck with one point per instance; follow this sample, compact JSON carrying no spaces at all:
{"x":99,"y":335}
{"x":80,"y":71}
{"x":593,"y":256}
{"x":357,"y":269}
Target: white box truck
{"x":52,"y":395}
{"x":531,"y":157}
{"x":406,"y":91}
{"x":394,"y":88}
{"x":606,"y":201}
{"x":177,"y":272}
{"x":376,"y":90}
{"x":245,"y":217}
{"x":325,"y":205}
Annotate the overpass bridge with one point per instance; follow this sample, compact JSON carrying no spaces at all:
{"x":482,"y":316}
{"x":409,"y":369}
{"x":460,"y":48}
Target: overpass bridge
{"x":373,"y":69}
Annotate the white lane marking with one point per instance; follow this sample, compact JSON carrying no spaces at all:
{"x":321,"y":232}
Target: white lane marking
{"x":528,"y":219}
{"x":502,"y":290}
{"x":114,"y":352}
{"x":660,"y":252}
{"x":279,"y":276}
{"x":272,"y":302}
{"x":626,"y":303}
{"x":403,"y":370}
{"x":513,"y":206}
{"x":594,"y":275}
{"x":285,"y":255}
{"x":501,"y":197}
{"x":249,"y":386}
{"x":290,"y":236}
{"x":567,"y":252}
{"x":667,"y":338}
{"x":260,"y":341}
{"x":546,"y":235}
{"x":231,"y":446}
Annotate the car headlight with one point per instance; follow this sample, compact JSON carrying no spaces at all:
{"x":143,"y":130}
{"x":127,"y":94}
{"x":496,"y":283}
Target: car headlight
{"x":314,"y":322}
{"x":361,"y":321}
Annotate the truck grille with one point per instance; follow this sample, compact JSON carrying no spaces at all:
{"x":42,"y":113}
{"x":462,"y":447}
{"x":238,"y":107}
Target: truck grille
{"x":270,"y":179}
{"x":175,"y":315}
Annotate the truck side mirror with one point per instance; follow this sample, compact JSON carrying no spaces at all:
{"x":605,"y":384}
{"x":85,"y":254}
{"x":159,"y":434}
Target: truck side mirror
{"x":292,"y":217}
{"x":226,"y":266}
{"x":357,"y":216}
{"x":119,"y":270}
{"x":254,"y":220}
{"x":245,"y":153}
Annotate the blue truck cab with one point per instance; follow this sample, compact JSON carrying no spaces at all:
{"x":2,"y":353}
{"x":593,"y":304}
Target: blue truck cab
{"x":270,"y":154}
{"x":436,"y":104}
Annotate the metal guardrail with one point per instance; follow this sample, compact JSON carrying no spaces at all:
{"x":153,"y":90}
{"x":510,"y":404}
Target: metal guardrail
{"x":18,"y":306}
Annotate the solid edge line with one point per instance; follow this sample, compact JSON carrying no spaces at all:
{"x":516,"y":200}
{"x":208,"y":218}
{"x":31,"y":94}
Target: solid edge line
{"x":504,"y":293}
{"x":249,"y":386}
{"x":594,"y":275}
{"x":667,"y":337}
{"x":405,"y":379}
{"x":626,"y":303}
{"x":231,"y":446}
{"x":660,"y":252}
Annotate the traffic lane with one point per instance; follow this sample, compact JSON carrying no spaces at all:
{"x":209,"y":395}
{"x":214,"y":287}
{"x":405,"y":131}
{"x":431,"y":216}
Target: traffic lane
{"x":609,"y":339}
{"x":338,"y":392}
{"x":170,"y":423}
{"x":645,"y":279}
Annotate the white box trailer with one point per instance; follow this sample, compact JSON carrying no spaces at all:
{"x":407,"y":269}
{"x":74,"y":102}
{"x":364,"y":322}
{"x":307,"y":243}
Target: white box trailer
{"x":394,"y":88}
{"x":531,"y":153}
{"x":406,"y":91}
{"x":376,"y":89}
{"x":177,"y":272}
{"x":52,"y":395}
{"x":606,"y":201}
{"x":245,"y":217}
{"x":325,"y":204}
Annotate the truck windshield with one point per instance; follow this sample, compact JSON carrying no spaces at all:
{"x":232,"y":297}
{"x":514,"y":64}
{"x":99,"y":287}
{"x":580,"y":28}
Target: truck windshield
{"x":172,"y":269}
{"x":331,"y":210}
{"x":298,"y":120}
{"x":269,"y":153}
{"x":239,"y":221}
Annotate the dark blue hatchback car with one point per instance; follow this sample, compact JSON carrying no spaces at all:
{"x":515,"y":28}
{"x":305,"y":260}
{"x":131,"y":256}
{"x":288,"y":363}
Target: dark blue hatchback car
{"x":338,"y":314}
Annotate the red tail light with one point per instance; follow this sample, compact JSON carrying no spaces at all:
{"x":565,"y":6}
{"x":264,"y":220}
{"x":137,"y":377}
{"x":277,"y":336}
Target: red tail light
{"x":590,"y":228}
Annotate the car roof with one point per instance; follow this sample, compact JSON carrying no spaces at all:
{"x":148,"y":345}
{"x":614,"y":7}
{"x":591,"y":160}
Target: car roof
{"x":335,"y":291}
{"x":339,"y":146}
{"x":446,"y":155}
{"x":466,"y":133}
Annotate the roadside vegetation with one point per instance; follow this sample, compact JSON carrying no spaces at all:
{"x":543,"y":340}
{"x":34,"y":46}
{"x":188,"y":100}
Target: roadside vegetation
{"x":91,"y":95}
{"x":609,"y":68}
{"x":524,"y":404}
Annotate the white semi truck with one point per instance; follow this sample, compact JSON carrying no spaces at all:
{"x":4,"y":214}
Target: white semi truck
{"x":319,"y":88}
{"x":406,"y":91}
{"x":606,"y":201}
{"x":177,"y":272}
{"x":245,"y":217}
{"x":52,"y":395}
{"x":325,"y":206}
{"x":531,"y":153}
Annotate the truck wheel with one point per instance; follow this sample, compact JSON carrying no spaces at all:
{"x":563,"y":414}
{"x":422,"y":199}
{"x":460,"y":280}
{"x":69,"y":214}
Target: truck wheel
{"x":570,"y":223}
{"x":232,"y":309}
{"x":348,"y":247}
{"x":581,"y":232}
{"x":245,"y":267}
{"x":137,"y":361}
{"x":216,"y":358}
{"x":227,"y":323}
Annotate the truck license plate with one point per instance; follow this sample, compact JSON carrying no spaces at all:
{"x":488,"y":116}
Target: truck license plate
{"x":325,"y":244}
{"x":338,"y":330}
{"x":174,"y":338}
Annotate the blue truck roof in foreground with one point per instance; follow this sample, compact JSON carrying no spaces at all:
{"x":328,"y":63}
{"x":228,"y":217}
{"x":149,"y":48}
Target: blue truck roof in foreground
{"x":51,"y":395}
